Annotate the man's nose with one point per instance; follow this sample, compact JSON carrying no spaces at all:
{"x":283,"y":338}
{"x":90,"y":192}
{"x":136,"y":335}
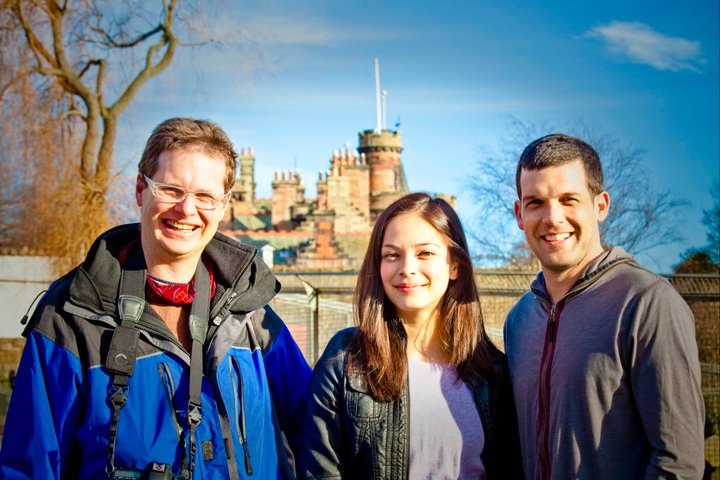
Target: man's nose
{"x":554,"y":213}
{"x":187,"y":205}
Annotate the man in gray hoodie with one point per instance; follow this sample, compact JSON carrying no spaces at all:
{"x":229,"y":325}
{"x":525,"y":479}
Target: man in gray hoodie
{"x":602,"y":352}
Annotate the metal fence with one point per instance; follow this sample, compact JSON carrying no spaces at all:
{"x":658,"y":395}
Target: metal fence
{"x":316,"y":305}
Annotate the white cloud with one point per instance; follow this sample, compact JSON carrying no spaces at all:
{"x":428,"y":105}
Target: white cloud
{"x":301,"y":28}
{"x":313,"y":32}
{"x":641,"y":44}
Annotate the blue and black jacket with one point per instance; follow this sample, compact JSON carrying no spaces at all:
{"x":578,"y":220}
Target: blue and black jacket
{"x":253,"y":388}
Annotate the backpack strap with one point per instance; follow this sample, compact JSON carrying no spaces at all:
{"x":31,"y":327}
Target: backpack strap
{"x":120,"y":359}
{"x":198,"y":324}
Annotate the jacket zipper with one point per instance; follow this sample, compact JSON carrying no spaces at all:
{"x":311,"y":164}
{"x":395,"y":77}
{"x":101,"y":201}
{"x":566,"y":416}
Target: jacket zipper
{"x":241,"y":417}
{"x":169,"y":388}
{"x":546,"y":363}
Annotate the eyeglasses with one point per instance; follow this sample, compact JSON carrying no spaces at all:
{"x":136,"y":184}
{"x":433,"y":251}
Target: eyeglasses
{"x":174,"y":194}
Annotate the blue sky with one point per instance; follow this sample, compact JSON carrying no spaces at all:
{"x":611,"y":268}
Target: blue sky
{"x":297,"y":82}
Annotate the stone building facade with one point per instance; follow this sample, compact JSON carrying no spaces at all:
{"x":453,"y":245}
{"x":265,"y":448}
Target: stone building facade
{"x":328,"y":232}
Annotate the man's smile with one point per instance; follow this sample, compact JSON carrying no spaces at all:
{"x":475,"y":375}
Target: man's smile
{"x":556,"y":237}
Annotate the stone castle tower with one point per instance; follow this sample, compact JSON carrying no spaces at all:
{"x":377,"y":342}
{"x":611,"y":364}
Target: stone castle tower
{"x":382,"y":150}
{"x":329,"y":232}
{"x":331,"y":229}
{"x":243,"y":192}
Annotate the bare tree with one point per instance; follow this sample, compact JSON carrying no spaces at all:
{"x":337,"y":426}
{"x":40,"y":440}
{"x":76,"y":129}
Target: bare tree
{"x":69,"y":69}
{"x":711,"y":219}
{"x":36,"y":149}
{"x":705,"y":259}
{"x":641,"y":216}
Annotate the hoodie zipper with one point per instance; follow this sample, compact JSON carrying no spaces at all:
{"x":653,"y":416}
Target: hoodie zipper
{"x":242,"y":430}
{"x":546,"y":363}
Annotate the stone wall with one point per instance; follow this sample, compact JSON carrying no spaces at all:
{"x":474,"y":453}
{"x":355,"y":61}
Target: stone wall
{"x":22,"y":279}
{"x":10,"y":351}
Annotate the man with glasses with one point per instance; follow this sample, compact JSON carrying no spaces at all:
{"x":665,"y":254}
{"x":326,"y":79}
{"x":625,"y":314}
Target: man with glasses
{"x":158,"y":357}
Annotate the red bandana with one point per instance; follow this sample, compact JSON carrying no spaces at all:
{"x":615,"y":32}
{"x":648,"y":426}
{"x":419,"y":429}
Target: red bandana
{"x":163,"y":292}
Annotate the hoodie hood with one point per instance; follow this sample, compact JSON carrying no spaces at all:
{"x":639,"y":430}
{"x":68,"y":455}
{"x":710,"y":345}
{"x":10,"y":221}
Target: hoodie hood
{"x":594,"y":271}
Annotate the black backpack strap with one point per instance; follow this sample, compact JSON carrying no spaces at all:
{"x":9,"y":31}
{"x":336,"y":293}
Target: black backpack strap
{"x":120,"y":359}
{"x":198,"y":323}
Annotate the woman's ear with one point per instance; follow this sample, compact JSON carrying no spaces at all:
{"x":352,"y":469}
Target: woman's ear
{"x":453,"y":271}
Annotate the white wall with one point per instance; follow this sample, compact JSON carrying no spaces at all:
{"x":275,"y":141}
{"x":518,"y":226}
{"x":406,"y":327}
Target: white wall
{"x":21,"y":279}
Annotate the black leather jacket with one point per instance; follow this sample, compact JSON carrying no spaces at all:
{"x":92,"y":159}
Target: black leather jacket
{"x":347,"y":434}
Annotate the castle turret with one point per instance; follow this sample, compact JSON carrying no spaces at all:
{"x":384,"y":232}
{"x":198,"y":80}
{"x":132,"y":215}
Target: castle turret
{"x":387,"y":178}
{"x":243,"y":192}
{"x":247,"y":176}
{"x":322,"y":192}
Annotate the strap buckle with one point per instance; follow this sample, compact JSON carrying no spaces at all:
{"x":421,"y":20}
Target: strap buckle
{"x":194,"y":414}
{"x":118,"y":395}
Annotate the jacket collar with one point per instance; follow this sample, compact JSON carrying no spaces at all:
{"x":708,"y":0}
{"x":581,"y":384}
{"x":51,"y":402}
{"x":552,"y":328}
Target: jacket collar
{"x":241,"y":276}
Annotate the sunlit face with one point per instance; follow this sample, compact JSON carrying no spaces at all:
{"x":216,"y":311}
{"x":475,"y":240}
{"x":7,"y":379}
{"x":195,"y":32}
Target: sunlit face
{"x":176,"y":231}
{"x":416,"y":267}
{"x":561,"y":217}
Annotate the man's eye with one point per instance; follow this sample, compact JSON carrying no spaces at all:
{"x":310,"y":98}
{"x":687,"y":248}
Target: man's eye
{"x":207,"y":197}
{"x":172,"y":192}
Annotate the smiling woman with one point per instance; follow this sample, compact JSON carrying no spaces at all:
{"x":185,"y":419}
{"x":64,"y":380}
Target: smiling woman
{"x":416,"y":268}
{"x":419,"y":337}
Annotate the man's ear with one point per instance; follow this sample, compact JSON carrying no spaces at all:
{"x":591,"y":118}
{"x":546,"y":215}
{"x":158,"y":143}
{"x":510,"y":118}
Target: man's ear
{"x":602,"y":205}
{"x":139,"y":187}
{"x":518,"y":215}
{"x":224,"y":209}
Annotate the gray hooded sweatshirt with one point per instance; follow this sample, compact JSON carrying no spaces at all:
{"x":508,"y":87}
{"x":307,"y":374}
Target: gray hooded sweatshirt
{"x":607,"y":382}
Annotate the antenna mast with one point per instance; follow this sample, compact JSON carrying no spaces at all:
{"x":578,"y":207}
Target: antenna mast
{"x":384,"y":109}
{"x":378,"y":107}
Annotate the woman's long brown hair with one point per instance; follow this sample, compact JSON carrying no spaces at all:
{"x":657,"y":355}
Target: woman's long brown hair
{"x":377,"y":349}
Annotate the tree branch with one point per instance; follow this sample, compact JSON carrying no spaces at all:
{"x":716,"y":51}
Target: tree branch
{"x":36,"y":46}
{"x":112,"y":43}
{"x":168,"y":40}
